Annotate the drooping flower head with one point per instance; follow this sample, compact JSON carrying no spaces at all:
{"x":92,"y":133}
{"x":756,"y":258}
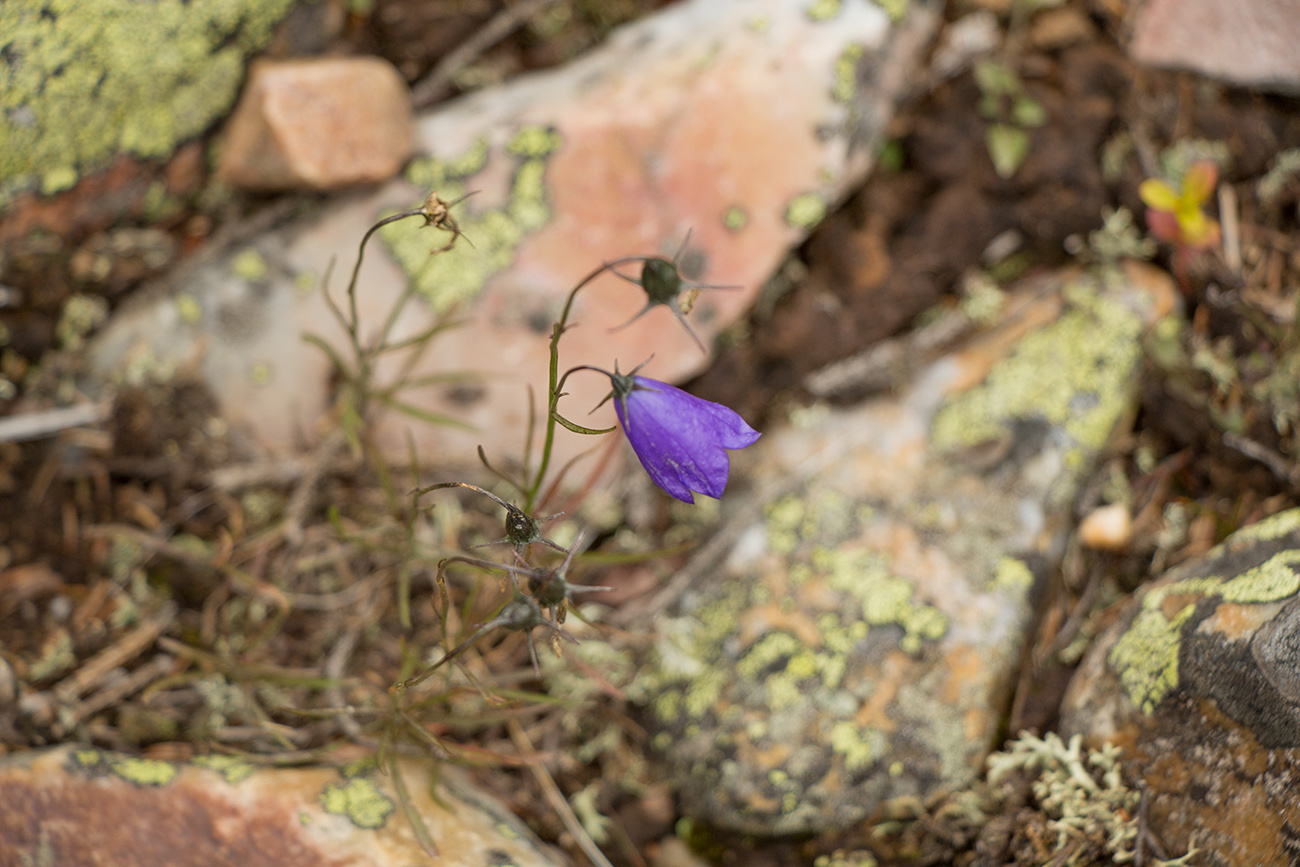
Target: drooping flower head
{"x":663,"y":285}
{"x":681,"y":439}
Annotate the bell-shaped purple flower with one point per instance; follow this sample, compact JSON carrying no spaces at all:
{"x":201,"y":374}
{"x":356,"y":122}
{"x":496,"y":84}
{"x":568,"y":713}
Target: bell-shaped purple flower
{"x":682,"y":440}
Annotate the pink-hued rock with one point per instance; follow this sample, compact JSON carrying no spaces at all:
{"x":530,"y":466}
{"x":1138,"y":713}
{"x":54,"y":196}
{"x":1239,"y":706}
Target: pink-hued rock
{"x":742,"y":120}
{"x":76,"y":806}
{"x":1246,"y":42}
{"x":318,"y":124}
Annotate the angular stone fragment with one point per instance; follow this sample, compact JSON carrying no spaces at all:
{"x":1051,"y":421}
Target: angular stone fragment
{"x":318,"y":124}
{"x":1246,"y":42}
{"x":76,"y":806}
{"x":1198,"y":682}
{"x":742,"y":120}
{"x":857,"y":641}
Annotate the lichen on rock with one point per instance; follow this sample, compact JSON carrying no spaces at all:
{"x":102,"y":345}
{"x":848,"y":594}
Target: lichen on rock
{"x":87,"y":81}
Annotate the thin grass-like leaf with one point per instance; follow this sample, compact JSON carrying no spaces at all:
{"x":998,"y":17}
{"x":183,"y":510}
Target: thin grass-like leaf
{"x":577,"y":428}
{"x":423,"y":415}
{"x":332,"y":354}
{"x":421,"y":831}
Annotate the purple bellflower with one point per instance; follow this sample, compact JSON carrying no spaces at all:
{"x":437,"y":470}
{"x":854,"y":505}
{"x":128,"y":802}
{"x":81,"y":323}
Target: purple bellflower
{"x":681,"y":440}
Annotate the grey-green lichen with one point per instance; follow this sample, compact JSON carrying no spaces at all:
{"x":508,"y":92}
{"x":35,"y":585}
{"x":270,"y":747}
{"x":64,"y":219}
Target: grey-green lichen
{"x":456,"y":276}
{"x":1075,"y":374}
{"x":360,"y":800}
{"x":84,"y":82}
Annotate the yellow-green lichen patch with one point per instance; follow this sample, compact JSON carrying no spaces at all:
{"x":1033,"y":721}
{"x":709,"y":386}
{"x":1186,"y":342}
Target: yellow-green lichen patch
{"x":456,"y":276}
{"x":249,"y":265}
{"x":859,"y":746}
{"x":360,"y":800}
{"x":1274,"y":579}
{"x":1145,"y":657}
{"x":805,"y":211}
{"x":231,"y":768}
{"x":735,"y":218}
{"x":1272,"y":527}
{"x":1012,"y":574}
{"x":1075,"y":374}
{"x":885,"y":598}
{"x":86,"y":81}
{"x":895,"y":9}
{"x":846,"y":73}
{"x":145,"y":772}
{"x":822,"y":10}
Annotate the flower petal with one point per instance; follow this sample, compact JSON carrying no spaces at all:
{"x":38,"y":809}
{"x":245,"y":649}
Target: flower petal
{"x":680,"y":439}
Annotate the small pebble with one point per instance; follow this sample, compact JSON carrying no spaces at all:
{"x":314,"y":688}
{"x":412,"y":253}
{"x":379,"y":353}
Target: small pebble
{"x":1108,"y":528}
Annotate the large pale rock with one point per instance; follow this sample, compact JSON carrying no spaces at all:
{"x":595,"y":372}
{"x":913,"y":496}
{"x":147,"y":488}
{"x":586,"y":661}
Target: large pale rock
{"x":76,"y":806}
{"x":858,"y":638}
{"x":1246,"y":42}
{"x":743,"y":120}
{"x":318,"y":124}
{"x":1199,"y":682}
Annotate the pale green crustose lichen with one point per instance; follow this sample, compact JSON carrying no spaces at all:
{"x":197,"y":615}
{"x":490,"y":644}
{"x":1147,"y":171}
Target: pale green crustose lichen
{"x":805,"y":210}
{"x":1091,"y":351}
{"x":87,"y":81}
{"x":360,"y":800}
{"x":1146,"y":656}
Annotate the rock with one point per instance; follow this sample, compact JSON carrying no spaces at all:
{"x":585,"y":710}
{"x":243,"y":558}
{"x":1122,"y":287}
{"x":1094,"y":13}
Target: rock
{"x":318,"y":124}
{"x":856,"y":639}
{"x":75,"y":806}
{"x":88,"y":82}
{"x":742,"y":120}
{"x":1250,"y":43}
{"x":1197,"y":682}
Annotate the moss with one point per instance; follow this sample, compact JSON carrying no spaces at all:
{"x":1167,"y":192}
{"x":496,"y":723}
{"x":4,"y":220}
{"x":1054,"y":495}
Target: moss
{"x":805,"y":210}
{"x":360,"y":800}
{"x":87,"y":81}
{"x":145,"y":772}
{"x":1088,"y":356}
{"x":456,"y":276}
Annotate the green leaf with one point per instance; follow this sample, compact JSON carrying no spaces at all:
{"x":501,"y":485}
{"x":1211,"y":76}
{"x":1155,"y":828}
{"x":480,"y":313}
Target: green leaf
{"x":424,"y":415}
{"x":1008,"y":147}
{"x":1028,"y":112}
{"x":577,"y":428}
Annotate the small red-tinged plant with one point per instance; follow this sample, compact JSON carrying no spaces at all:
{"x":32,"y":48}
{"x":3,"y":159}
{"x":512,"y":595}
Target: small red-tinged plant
{"x":1176,"y":216}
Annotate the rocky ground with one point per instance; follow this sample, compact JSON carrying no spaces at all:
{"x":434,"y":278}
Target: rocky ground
{"x":1009,"y":579}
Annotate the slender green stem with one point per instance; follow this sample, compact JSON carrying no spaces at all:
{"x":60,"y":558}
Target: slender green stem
{"x":553,"y":398}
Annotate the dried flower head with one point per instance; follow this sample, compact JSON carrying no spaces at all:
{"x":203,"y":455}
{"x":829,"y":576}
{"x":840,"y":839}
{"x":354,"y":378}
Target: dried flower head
{"x":663,"y":285}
